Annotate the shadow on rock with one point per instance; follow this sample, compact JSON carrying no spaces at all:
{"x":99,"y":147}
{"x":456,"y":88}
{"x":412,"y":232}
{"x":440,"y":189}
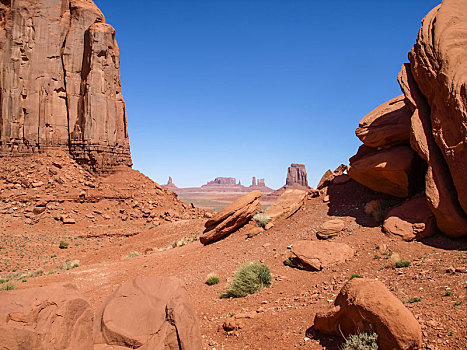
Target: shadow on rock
{"x":350,"y":198}
{"x":443,"y":242}
{"x":326,"y":341}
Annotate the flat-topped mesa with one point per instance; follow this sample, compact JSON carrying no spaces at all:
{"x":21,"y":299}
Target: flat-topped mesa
{"x":60,"y":83}
{"x":297,"y":176}
{"x":222,"y":181}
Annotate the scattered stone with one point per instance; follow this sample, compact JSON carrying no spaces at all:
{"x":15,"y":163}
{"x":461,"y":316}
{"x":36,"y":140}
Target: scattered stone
{"x":254,"y":232}
{"x":330,"y":228}
{"x":314,"y":256}
{"x":365,"y":305}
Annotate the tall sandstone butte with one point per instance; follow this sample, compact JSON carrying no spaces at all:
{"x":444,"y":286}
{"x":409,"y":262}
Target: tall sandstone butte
{"x":60,"y":82}
{"x":434,"y":86}
{"x":297,"y":176}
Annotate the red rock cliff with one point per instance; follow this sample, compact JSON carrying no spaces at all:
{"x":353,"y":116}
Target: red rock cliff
{"x":60,"y":82}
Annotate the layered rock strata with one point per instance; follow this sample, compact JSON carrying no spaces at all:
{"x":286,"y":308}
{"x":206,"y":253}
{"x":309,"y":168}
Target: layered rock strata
{"x":60,"y":82}
{"x":431,"y":119}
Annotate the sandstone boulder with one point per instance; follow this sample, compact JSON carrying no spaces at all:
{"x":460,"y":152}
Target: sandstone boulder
{"x":315,"y":256}
{"x":387,"y":125}
{"x":365,"y":305}
{"x":329,"y":176}
{"x":231,"y":218}
{"x":395,"y":171}
{"x":51,"y":317}
{"x":330,"y":228}
{"x":287,"y":204}
{"x":411,"y":220}
{"x":148,"y":313}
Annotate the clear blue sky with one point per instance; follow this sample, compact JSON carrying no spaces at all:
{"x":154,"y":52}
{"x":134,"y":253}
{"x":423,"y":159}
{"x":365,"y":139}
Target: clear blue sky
{"x":244,"y":88}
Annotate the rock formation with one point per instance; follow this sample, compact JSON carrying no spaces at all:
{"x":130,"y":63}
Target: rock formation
{"x":222,"y":184}
{"x":51,"y":317}
{"x":365,"y":305}
{"x":170,"y":185}
{"x":287,"y":204}
{"x":148,"y":313}
{"x":60,"y":83}
{"x":430,"y":118}
{"x":231,"y":218}
{"x":297,"y":177}
{"x":315,"y":256}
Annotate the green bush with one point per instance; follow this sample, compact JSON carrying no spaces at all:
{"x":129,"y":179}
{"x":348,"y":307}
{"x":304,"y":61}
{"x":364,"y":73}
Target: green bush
{"x":402,"y":263}
{"x":212,"y":280}
{"x":414,"y":300}
{"x":63,"y":245}
{"x":362,"y":341}
{"x":248,"y":279}
{"x":354,"y":276}
{"x":262,"y":219}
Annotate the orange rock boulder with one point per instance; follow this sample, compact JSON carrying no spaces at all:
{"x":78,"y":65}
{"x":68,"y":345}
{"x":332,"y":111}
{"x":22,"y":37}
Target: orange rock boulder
{"x":411,"y":220}
{"x":387,"y":125}
{"x":51,"y":317}
{"x":395,"y":171}
{"x":231,"y":218}
{"x":365,"y":305}
{"x":315,"y":256}
{"x":148,"y":313}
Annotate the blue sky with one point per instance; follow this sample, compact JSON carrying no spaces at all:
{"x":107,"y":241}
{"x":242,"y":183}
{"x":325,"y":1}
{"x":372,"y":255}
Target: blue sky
{"x":244,"y":88}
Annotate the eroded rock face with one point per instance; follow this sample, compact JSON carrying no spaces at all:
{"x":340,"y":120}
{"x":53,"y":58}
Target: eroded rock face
{"x":51,"y":317}
{"x":411,"y":220}
{"x":60,"y":82}
{"x":438,"y":65}
{"x":365,"y":305}
{"x":394,"y":171}
{"x":387,"y":125}
{"x":231,"y":218}
{"x":297,"y":177}
{"x":148,"y":313}
{"x":434,"y":84}
{"x":287,"y":204}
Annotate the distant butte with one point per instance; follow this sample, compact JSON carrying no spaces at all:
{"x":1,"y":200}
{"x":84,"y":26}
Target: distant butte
{"x":297,"y":179}
{"x":222,"y":184}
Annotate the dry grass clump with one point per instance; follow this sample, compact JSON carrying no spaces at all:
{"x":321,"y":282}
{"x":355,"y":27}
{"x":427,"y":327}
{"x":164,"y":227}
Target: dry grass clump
{"x":7,"y":286}
{"x":362,"y":341}
{"x":262,"y":219}
{"x":248,"y":279}
{"x":212,"y":279}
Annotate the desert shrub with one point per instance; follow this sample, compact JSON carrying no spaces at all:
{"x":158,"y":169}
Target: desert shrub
{"x":212,"y":280}
{"x":458,"y":303}
{"x":249,"y":279}
{"x":362,"y":341}
{"x":132,"y":255}
{"x":354,"y":276}
{"x":414,"y":300}
{"x":63,"y":245}
{"x":378,"y":209}
{"x":447,"y":294}
{"x":262,"y":219}
{"x":402,"y":263}
{"x":7,"y":286}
